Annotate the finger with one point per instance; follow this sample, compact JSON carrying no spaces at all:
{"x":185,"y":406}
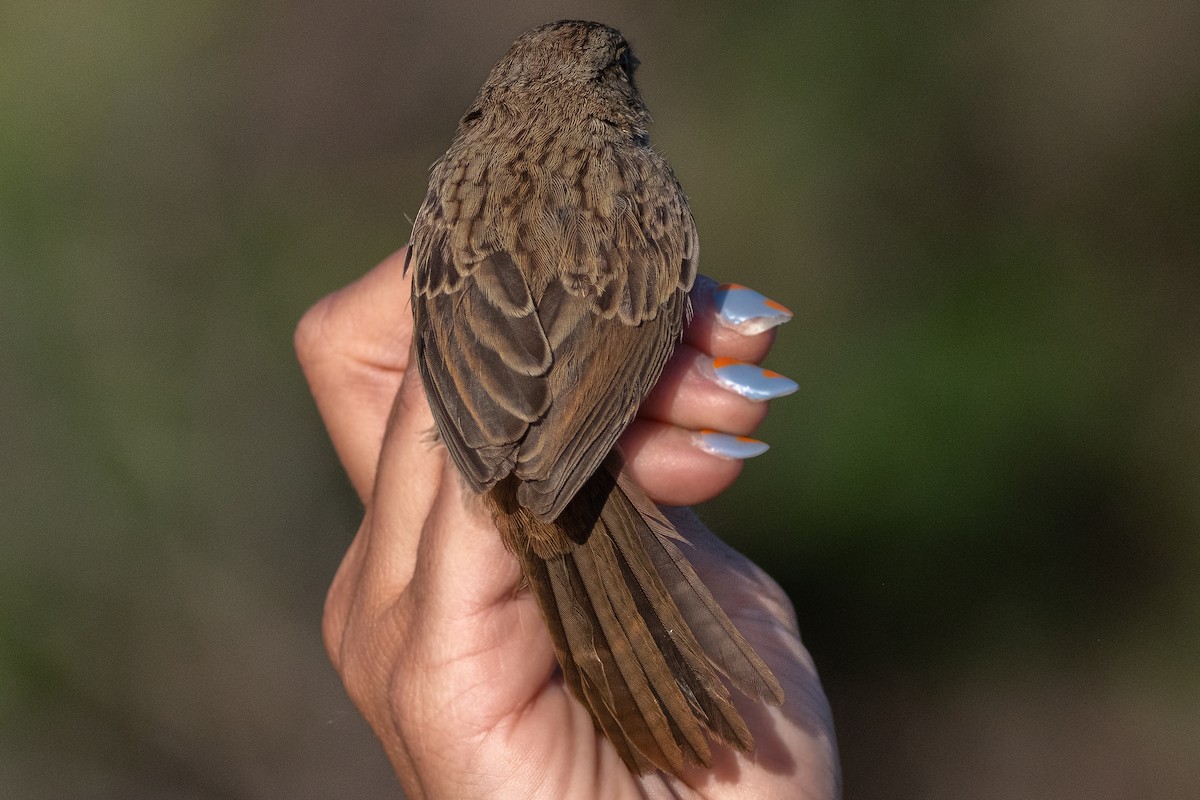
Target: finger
{"x":697,"y":391}
{"x":464,"y":623}
{"x":668,"y":463}
{"x":353,"y":348}
{"x":733,"y":321}
{"x":463,"y":617}
{"x":411,"y":473}
{"x":339,"y":601}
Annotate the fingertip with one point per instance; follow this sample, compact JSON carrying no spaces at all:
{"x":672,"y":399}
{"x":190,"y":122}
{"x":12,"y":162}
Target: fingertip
{"x":374,"y":305}
{"x":353,"y":346}
{"x":747,"y":310}
{"x":725,"y":329}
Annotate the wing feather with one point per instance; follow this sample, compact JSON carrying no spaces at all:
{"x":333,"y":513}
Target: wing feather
{"x":542,"y":325}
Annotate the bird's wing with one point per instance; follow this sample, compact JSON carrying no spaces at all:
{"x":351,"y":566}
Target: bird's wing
{"x":537,"y":375}
{"x":612,"y":320}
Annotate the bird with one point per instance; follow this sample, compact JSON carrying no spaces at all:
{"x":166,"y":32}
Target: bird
{"x":552,"y":260}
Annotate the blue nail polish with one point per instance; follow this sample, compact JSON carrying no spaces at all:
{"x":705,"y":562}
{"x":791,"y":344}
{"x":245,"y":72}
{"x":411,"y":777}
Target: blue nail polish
{"x":750,"y":381}
{"x":726,"y":445}
{"x":745,"y":309}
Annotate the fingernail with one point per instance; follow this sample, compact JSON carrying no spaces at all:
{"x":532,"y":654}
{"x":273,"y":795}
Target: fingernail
{"x":745,"y":309}
{"x":726,"y":445}
{"x":748,"y":380}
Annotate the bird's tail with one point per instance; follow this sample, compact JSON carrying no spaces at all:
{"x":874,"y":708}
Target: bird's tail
{"x":641,"y":641}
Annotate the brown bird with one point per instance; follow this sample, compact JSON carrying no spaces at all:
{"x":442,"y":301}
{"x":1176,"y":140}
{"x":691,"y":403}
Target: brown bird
{"x":553,"y":257}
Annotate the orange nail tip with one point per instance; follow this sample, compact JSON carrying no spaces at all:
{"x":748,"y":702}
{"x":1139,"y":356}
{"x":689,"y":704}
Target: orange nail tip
{"x":748,"y":380}
{"x":748,"y":311}
{"x":728,"y":446}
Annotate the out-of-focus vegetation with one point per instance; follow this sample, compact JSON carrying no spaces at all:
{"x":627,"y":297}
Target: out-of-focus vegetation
{"x":985,"y":500}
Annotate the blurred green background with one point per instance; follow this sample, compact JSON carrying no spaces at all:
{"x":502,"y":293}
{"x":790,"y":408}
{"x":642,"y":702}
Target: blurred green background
{"x":984,"y":500}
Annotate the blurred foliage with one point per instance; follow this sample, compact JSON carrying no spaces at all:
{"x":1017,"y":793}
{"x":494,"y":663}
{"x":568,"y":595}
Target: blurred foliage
{"x":983,"y":501}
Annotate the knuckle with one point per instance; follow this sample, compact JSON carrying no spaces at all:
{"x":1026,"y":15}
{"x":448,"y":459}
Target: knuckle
{"x":333,"y":627}
{"x":312,"y":334}
{"x":359,"y":677}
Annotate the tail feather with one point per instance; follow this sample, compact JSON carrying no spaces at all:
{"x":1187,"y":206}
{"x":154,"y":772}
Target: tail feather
{"x":612,"y":677}
{"x":639,"y":666}
{"x":632,"y":636}
{"x":604,"y":713}
{"x":641,"y":641}
{"x":718,"y":636}
{"x":694,"y":665}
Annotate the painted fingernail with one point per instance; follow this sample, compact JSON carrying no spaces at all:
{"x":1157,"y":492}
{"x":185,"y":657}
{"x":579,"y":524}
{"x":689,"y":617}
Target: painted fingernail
{"x":726,"y":445}
{"x":745,"y":309}
{"x":748,"y":380}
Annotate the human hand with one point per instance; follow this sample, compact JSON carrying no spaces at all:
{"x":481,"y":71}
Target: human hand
{"x":437,"y":644}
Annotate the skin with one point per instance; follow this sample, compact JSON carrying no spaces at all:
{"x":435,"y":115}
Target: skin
{"x":426,"y":623}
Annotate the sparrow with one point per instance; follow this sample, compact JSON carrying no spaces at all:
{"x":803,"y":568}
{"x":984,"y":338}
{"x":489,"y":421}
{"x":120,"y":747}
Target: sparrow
{"x":552,"y":259}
